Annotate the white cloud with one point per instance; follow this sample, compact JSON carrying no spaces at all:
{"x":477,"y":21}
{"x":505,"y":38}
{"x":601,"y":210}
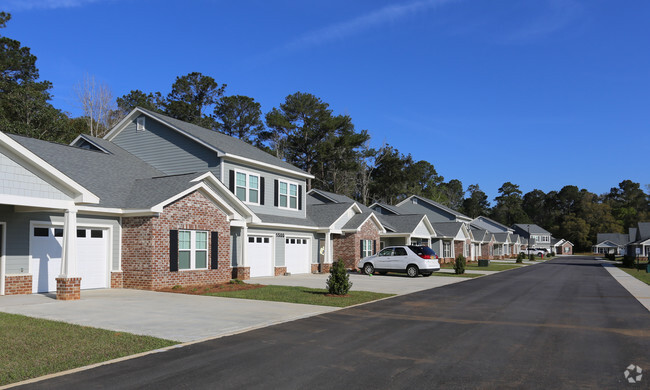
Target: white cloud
{"x":26,"y":5}
{"x":339,"y":31}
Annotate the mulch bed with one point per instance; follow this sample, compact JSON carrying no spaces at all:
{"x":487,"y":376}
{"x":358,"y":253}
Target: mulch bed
{"x":210,"y":288}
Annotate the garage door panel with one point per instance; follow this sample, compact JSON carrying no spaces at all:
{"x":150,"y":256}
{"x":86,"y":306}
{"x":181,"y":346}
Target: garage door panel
{"x":259,"y":253}
{"x":297,"y":255}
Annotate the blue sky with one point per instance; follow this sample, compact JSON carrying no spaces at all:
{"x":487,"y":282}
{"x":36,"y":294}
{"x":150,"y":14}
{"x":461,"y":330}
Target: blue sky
{"x":541,"y":93}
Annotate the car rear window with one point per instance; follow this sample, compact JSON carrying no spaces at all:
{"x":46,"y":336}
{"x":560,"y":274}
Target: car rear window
{"x":422,"y":250}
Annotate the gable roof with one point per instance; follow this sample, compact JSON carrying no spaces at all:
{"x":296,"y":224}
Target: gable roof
{"x":616,"y":238}
{"x":524,"y":228}
{"x":483,"y":223}
{"x":404,"y":223}
{"x":226,"y":146}
{"x":387,"y":207}
{"x":501,"y":237}
{"x":447,"y":229}
{"x":325,"y":214}
{"x":437,"y":205}
{"x":644,"y":231}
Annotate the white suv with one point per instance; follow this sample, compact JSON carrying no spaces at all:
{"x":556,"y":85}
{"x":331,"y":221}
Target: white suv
{"x":412,"y":259}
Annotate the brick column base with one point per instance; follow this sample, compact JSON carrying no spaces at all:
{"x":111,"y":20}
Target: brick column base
{"x":68,"y":289}
{"x":117,"y":280}
{"x":279,"y":271}
{"x":325,"y":268}
{"x":315,"y":268}
{"x":241,"y":273}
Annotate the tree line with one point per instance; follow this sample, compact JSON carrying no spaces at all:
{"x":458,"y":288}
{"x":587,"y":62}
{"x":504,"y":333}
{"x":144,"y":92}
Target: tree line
{"x":304,"y":131}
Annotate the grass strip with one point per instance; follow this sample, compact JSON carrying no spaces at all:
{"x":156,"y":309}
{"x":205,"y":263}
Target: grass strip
{"x":491,"y":267}
{"x":639,"y":274}
{"x":33,"y":347}
{"x":308,"y":296}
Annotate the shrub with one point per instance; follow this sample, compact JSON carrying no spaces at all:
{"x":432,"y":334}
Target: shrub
{"x":520,"y":257}
{"x":236,"y":281}
{"x":338,"y":283}
{"x":628,"y":261}
{"x":551,"y":254}
{"x":459,"y":265}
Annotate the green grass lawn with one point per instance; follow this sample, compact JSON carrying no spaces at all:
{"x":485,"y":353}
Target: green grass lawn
{"x":33,"y":347}
{"x":639,"y":274}
{"x":309,"y":296}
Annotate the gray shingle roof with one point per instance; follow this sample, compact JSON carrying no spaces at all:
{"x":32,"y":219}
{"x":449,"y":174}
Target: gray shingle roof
{"x":500,"y":237}
{"x":147,"y":193}
{"x":326,"y":214}
{"x":286,"y":220}
{"x":356,"y":221}
{"x":388,"y":207}
{"x":522,"y":228}
{"x":616,"y":238}
{"x":441,"y":206}
{"x":335,"y":197}
{"x":480,"y":234}
{"x":405,"y":223}
{"x":644,"y":230}
{"x":447,"y":229}
{"x":109,"y":176}
{"x":228,"y":144}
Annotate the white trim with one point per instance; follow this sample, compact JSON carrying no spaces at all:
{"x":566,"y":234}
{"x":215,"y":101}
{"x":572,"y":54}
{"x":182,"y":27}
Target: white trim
{"x":50,"y":224}
{"x":288,"y":195}
{"x":247,"y":187}
{"x":82,"y":194}
{"x":83,"y":136}
{"x":354,"y":208}
{"x":193,"y":250}
{"x":234,"y":157}
{"x":374,"y":217}
{"x":43,"y":203}
{"x":3,"y":259}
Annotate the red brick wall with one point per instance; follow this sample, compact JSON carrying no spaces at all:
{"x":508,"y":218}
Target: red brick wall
{"x":18,"y":284}
{"x":348,"y":248}
{"x":566,"y":245}
{"x":145,"y":244}
{"x":279,"y":271}
{"x":485,"y":251}
{"x":241,"y":273}
{"x":117,"y":280}
{"x":458,"y":248}
{"x":68,"y":289}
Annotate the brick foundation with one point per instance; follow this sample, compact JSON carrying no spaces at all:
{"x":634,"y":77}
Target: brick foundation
{"x":18,"y":284}
{"x":68,"y":289}
{"x":117,"y":280}
{"x":347,"y":247}
{"x":325,"y":268}
{"x":315,"y":268}
{"x":241,"y":273}
{"x":279,"y":271}
{"x":146,"y":245}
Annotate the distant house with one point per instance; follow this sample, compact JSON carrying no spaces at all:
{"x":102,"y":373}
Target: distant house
{"x":611,"y":243}
{"x":640,"y":240}
{"x":539,"y":237}
{"x":561,"y":246}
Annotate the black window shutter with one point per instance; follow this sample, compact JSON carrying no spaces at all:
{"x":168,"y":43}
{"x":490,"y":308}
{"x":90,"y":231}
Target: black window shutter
{"x":231,"y":184}
{"x":299,"y":197}
{"x":214,"y":252}
{"x":374,"y":247}
{"x":361,"y":250}
{"x":173,"y":250}
{"x":262,"y":191}
{"x":275,"y":193}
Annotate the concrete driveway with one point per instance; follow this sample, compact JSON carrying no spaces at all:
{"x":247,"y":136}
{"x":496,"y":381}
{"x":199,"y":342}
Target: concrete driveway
{"x":170,"y":316}
{"x":390,"y":284}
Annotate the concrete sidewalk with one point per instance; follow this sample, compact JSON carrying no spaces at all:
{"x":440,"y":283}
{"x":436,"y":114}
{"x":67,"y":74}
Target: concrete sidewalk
{"x":178,"y":317}
{"x":634,"y":286}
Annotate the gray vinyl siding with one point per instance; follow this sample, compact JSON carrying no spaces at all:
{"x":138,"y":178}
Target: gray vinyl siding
{"x":421,"y":231}
{"x":269,"y":188}
{"x":18,"y":234}
{"x":166,"y":149}
{"x":434,"y":214}
{"x":18,"y":180}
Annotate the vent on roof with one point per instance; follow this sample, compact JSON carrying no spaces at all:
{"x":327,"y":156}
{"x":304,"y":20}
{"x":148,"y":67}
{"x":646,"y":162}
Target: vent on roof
{"x":140,"y":123}
{"x":415,"y":200}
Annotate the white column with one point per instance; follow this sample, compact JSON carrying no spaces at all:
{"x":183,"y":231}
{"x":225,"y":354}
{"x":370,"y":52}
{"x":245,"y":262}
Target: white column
{"x":408,"y":240}
{"x":328,"y":248}
{"x":69,"y":252}
{"x":244,"y":241}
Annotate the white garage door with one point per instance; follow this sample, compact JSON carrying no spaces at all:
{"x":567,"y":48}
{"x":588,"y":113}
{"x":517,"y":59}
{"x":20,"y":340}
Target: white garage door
{"x":259,"y":254}
{"x":46,"y":245}
{"x":297,"y":255}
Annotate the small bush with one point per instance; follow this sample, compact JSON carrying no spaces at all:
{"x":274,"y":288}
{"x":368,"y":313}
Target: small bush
{"x":610,"y":256}
{"x":520,"y":257}
{"x":551,"y":254}
{"x":338,"y":283}
{"x":236,"y":281}
{"x":459,"y":265}
{"x":177,"y":287}
{"x":628,"y":261}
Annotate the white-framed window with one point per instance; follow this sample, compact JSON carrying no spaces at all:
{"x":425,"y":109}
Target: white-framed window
{"x":446,"y":249}
{"x":288,"y":194}
{"x":367,"y":248}
{"x":247,"y":187}
{"x":192,"y":249}
{"x":140,"y":123}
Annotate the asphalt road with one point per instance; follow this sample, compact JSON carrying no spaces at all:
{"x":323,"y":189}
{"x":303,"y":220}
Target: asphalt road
{"x":562,"y":324}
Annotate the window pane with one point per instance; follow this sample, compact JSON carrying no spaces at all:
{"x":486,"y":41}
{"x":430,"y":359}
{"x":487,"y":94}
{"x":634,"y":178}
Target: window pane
{"x":241,"y":193}
{"x":201,"y":259}
{"x":81,"y":233}
{"x":184,"y":260}
{"x":283,"y":188}
{"x":96,"y":233}
{"x":283,"y":201}
{"x":252,"y":180}
{"x":184,"y":240}
{"x":201,"y":240}
{"x":58,"y":232}
{"x":293,"y":190}
{"x":41,"y":232}
{"x":252,"y":196}
{"x":293,"y":202}
{"x":241,"y":179}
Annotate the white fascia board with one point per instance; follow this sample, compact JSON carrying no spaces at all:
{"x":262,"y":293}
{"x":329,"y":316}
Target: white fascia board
{"x":230,"y":212}
{"x":287,"y":226}
{"x":83,"y":136}
{"x":84,"y":196}
{"x":427,"y":223}
{"x":354,"y":207}
{"x":36,"y":203}
{"x":225,"y":192}
{"x":259,"y":164}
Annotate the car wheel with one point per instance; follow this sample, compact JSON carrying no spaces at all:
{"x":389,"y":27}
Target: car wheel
{"x":412,"y":270}
{"x":368,"y":269}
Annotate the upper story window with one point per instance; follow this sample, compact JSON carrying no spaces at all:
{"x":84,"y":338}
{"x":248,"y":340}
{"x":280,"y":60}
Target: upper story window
{"x":140,"y":123}
{"x":247,"y":187}
{"x":288,"y":195}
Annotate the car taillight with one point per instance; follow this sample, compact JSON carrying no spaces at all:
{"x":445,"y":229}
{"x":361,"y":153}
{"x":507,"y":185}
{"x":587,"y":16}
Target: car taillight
{"x":425,"y":256}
